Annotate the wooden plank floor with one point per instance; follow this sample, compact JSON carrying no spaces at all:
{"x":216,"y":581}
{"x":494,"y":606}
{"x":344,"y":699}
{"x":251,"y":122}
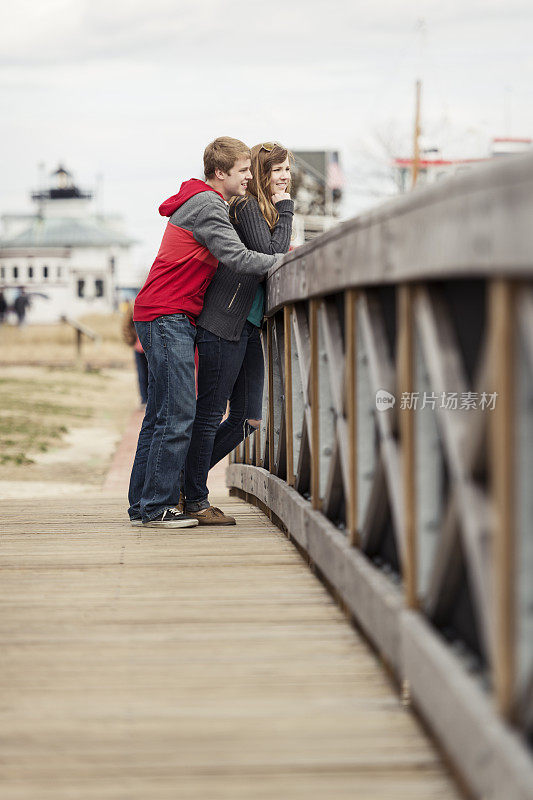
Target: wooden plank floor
{"x":192,"y":664}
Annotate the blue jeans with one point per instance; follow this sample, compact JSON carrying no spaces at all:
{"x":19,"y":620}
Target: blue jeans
{"x":168,"y":343}
{"x":231,"y":371}
{"x":142,"y":374}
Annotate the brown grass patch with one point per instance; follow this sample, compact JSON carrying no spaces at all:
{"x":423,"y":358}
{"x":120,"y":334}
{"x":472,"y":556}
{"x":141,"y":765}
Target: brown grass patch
{"x":55,"y":344}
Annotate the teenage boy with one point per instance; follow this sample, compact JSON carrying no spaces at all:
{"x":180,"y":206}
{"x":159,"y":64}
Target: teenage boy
{"x":198,"y":235}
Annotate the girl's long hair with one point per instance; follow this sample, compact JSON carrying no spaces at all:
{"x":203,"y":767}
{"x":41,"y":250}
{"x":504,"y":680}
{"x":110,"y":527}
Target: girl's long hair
{"x":259,"y":186}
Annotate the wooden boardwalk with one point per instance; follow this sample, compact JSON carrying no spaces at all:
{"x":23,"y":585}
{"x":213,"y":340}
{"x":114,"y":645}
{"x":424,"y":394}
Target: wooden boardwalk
{"x":142,"y":664}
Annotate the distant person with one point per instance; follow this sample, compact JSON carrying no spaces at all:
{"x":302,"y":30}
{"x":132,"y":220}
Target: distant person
{"x":21,"y":304}
{"x":229,"y":330}
{"x":198,"y":235}
{"x":3,"y":307}
{"x":129,"y":334}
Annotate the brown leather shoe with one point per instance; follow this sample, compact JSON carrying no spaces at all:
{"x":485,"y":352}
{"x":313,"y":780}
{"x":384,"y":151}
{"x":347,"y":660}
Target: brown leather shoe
{"x":211,"y":516}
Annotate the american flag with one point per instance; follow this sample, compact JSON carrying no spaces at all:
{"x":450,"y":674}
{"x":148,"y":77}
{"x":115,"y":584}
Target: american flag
{"x":335,"y":178}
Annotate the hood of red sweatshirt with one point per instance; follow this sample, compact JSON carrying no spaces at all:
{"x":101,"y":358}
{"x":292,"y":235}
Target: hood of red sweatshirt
{"x":187,"y":190}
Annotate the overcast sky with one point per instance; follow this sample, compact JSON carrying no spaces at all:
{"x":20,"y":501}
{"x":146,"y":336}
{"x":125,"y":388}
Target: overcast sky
{"x":135,"y":90}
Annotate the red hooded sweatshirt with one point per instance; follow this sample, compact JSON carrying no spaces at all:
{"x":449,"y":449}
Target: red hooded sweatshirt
{"x":183,"y":268}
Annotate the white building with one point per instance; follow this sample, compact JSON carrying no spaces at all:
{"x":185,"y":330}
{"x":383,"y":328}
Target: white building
{"x":66,"y":255}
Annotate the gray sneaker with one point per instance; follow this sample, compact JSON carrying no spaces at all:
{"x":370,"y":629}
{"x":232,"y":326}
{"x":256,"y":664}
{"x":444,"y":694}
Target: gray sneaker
{"x":170,"y":518}
{"x":137,"y":521}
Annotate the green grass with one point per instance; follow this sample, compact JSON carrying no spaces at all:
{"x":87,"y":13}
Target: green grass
{"x":28,"y":428}
{"x":35,"y":413}
{"x":20,"y":459}
{"x":16,"y":405}
{"x":19,"y":437}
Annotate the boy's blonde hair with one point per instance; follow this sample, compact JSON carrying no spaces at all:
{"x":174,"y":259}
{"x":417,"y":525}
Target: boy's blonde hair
{"x":222,"y":154}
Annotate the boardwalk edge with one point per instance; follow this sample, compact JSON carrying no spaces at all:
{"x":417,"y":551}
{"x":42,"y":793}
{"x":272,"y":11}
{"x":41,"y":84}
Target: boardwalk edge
{"x":490,"y":757}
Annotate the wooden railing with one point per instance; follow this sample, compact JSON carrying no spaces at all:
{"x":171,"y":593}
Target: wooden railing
{"x":396,"y":448}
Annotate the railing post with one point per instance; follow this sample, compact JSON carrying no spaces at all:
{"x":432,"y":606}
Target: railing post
{"x":502,"y":476}
{"x":287,"y":313}
{"x":406,"y":420}
{"x":270,"y":366}
{"x":315,"y":411}
{"x":350,"y":328}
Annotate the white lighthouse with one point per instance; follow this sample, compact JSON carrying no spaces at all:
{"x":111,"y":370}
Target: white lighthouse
{"x":65,"y":254}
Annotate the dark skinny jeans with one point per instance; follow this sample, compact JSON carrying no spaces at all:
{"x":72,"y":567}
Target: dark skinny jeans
{"x":231,"y":371}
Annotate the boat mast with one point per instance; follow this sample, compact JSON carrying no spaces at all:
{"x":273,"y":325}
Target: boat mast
{"x":416,"y":143}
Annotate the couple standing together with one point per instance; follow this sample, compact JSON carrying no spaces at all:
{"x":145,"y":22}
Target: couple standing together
{"x":205,"y":290}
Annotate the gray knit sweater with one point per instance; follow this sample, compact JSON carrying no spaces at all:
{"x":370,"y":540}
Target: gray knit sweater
{"x":230,"y":295}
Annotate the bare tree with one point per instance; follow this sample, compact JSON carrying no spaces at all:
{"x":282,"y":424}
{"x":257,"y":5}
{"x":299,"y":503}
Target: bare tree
{"x":373,"y":172}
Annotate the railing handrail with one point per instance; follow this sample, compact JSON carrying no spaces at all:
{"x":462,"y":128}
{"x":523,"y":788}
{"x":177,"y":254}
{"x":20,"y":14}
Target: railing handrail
{"x":420,"y":519}
{"x":463,"y":226}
